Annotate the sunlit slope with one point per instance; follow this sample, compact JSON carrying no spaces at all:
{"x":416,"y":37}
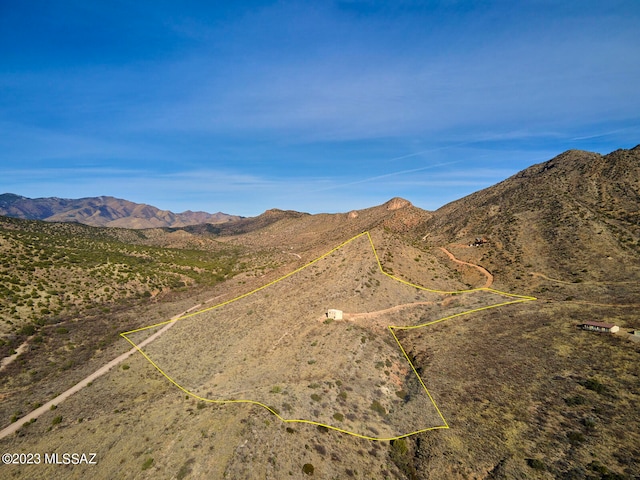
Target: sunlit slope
{"x":276,"y":347}
{"x":574,"y":218}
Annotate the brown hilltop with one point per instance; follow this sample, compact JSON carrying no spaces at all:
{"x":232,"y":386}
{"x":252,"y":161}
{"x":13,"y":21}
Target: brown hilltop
{"x":576,"y":212}
{"x":397,"y":203}
{"x":302,"y":231}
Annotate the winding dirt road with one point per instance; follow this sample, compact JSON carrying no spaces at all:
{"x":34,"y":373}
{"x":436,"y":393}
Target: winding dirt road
{"x":482,"y":270}
{"x":395,"y":308}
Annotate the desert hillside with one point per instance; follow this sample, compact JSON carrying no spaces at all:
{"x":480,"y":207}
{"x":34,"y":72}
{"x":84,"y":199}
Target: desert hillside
{"x":484,"y":373}
{"x":574,"y":218}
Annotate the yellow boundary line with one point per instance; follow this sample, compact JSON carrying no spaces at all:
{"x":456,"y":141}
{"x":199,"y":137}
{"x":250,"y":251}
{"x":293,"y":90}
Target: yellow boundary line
{"x":392,"y":329}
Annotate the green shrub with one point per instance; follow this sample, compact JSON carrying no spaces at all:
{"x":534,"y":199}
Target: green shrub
{"x":575,"y":400}
{"x":56,"y":420}
{"x":401,"y":456}
{"x":399,"y":447}
{"x":28,"y":330}
{"x":589,"y":423}
{"x":575,"y":438}
{"x":147,"y":463}
{"x":536,"y":464}
{"x":377,"y":407}
{"x":594,"y":385}
{"x":308,"y":469}
{"x":185,"y":469}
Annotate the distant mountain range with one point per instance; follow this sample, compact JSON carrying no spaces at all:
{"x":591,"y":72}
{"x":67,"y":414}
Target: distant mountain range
{"x":582,"y":192}
{"x":103,"y":212}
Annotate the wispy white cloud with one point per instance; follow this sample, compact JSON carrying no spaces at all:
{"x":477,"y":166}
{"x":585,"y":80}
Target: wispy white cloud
{"x":385,"y":176}
{"x":236,"y":192}
{"x":607,"y":133}
{"x":241,"y":107}
{"x":516,"y":76}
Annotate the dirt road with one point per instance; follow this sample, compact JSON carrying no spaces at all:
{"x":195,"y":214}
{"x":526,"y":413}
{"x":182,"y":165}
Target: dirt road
{"x":9,"y":360}
{"x":14,"y":427}
{"x":370,"y":315}
{"x":489,"y":281}
{"x":395,"y":308}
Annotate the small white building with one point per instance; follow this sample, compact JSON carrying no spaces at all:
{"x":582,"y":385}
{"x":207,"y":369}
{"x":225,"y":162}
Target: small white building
{"x":334,"y":314}
{"x":599,"y":327}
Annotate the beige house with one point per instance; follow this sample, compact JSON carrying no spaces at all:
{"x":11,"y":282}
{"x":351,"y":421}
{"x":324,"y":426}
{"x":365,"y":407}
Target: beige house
{"x":599,"y":327}
{"x":334,"y":314}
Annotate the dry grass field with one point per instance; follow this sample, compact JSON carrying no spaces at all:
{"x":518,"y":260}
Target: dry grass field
{"x":277,"y":347}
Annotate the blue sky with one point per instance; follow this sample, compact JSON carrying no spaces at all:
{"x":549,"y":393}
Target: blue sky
{"x":322,"y":106}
